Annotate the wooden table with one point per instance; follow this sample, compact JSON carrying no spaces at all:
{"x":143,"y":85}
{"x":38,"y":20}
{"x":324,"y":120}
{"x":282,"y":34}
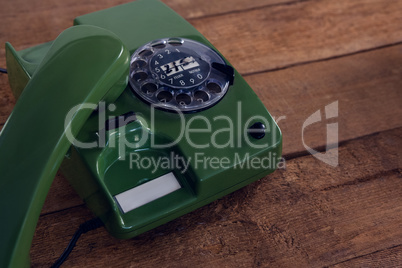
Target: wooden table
{"x":310,"y":54}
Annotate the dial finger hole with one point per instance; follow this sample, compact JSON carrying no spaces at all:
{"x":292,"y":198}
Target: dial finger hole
{"x":164,"y":96}
{"x":149,"y":88}
{"x":183,"y":99}
{"x":175,"y":41}
{"x":138,"y":64}
{"x":159,"y":44}
{"x":140,"y":76}
{"x":214,"y":87}
{"x":201,"y":96}
{"x":145,"y":53}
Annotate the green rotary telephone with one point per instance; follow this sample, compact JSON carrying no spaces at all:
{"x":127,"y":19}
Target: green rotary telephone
{"x":143,"y":116}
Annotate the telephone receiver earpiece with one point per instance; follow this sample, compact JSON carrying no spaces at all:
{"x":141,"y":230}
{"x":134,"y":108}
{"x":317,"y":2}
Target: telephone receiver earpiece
{"x":85,"y":64}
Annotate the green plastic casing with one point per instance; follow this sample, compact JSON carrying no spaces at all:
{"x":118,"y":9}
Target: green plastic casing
{"x":98,"y":174}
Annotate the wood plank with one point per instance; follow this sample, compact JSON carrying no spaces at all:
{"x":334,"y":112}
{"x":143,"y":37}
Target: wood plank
{"x":390,"y":257}
{"x":310,"y":214}
{"x":279,"y":36}
{"x":367,"y":87}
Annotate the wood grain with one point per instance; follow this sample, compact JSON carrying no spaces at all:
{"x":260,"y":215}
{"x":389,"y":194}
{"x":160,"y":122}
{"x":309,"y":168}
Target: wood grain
{"x":307,"y":215}
{"x":275,"y":37}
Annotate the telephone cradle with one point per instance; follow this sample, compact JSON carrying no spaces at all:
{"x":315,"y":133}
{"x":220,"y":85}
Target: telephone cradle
{"x":143,"y":116}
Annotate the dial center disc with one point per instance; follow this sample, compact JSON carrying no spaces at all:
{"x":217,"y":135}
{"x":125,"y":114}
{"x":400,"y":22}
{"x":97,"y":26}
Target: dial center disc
{"x":179,"y":68}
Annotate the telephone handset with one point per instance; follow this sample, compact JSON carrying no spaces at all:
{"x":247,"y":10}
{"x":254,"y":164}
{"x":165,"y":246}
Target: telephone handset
{"x":33,"y":141}
{"x":143,"y":116}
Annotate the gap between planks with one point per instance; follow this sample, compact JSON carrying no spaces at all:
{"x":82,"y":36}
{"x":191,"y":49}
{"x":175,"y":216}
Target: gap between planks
{"x":385,"y":250}
{"x":289,"y":3}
